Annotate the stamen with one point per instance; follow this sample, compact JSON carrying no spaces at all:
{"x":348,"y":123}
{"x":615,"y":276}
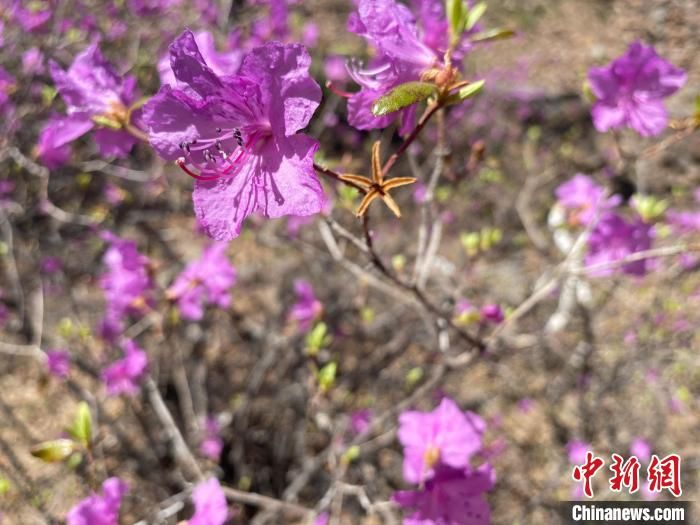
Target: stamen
{"x":335,"y":89}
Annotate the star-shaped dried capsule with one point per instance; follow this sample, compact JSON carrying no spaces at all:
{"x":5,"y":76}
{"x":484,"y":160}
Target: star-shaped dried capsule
{"x":377,"y":187}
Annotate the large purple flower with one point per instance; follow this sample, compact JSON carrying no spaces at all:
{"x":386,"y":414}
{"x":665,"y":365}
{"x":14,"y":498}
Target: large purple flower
{"x":445,"y":436}
{"x":207,"y":279}
{"x":100,"y":509}
{"x":451,"y":497}
{"x":237,"y":134}
{"x":631,"y":89}
{"x":405,"y":47}
{"x":97,"y":98}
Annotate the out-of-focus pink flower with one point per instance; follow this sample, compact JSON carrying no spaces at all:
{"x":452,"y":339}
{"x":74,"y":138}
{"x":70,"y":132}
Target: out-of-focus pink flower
{"x":334,"y":68}
{"x":212,"y":444}
{"x":32,"y":61}
{"x":631,"y":89}
{"x":307,"y":308}
{"x":576,"y":450}
{"x":445,"y":436}
{"x":207,"y":280}
{"x":209,"y":504}
{"x":100,"y":509}
{"x":309,"y":35}
{"x":126,"y":284}
{"x":58,"y":363}
{"x":612,"y":240}
{"x":583,"y":197}
{"x":123,"y":376}
{"x":640,"y":448}
{"x":451,"y":497}
{"x":322,"y":519}
{"x":492,"y":313}
{"x":51,"y":265}
{"x":360,"y":420}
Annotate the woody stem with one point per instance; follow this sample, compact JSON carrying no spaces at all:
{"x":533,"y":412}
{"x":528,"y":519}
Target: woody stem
{"x":336,"y":176}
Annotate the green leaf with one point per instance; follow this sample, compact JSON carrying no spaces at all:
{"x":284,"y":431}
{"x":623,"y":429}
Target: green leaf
{"x":493,"y":34}
{"x":475,"y":13}
{"x":54,"y":451}
{"x":470,"y":90}
{"x":402,"y":96}
{"x":326,"y":376}
{"x":455,"y":16}
{"x":106,"y":122}
{"x":82,"y":425}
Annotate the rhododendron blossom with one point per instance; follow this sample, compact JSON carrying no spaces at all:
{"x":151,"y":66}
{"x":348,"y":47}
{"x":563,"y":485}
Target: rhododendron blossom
{"x":612,"y":240}
{"x":205,"y":280}
{"x":98,"y":99}
{"x":58,"y":363}
{"x":445,"y":436}
{"x":584,"y":198}
{"x":100,"y":509}
{"x":406,"y":47}
{"x":209,"y":504}
{"x":237,"y":134}
{"x":126,"y":284}
{"x":123,"y":376}
{"x":307,"y":307}
{"x":631,"y":91}
{"x":212,"y":444}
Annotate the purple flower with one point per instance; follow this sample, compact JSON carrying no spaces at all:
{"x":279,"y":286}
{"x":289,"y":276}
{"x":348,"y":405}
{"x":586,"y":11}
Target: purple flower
{"x":205,"y":280}
{"x":100,"y":509}
{"x":405,"y":47}
{"x":32,"y":61}
{"x":32,"y":16}
{"x":613,"y":239}
{"x":51,"y":265}
{"x":209,"y":504}
{"x":492,"y":313}
{"x":445,"y":436}
{"x":576,"y":451}
{"x":322,"y":519}
{"x":582,"y":196}
{"x":212,"y":444}
{"x":58,"y":363}
{"x":451,"y":497}
{"x":95,"y":96}
{"x":641,"y":449}
{"x":360,"y":420}
{"x":122,"y":376}
{"x":684,"y":221}
{"x":240,"y":133}
{"x":226,"y":63}
{"x":307,"y":308}
{"x":126,"y":283}
{"x":631,"y":89}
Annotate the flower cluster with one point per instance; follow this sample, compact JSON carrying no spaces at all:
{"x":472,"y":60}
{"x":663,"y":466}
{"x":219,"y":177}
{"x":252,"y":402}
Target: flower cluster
{"x":205,"y":280}
{"x":612,"y":238}
{"x":438,"y":449}
{"x":405,"y":46}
